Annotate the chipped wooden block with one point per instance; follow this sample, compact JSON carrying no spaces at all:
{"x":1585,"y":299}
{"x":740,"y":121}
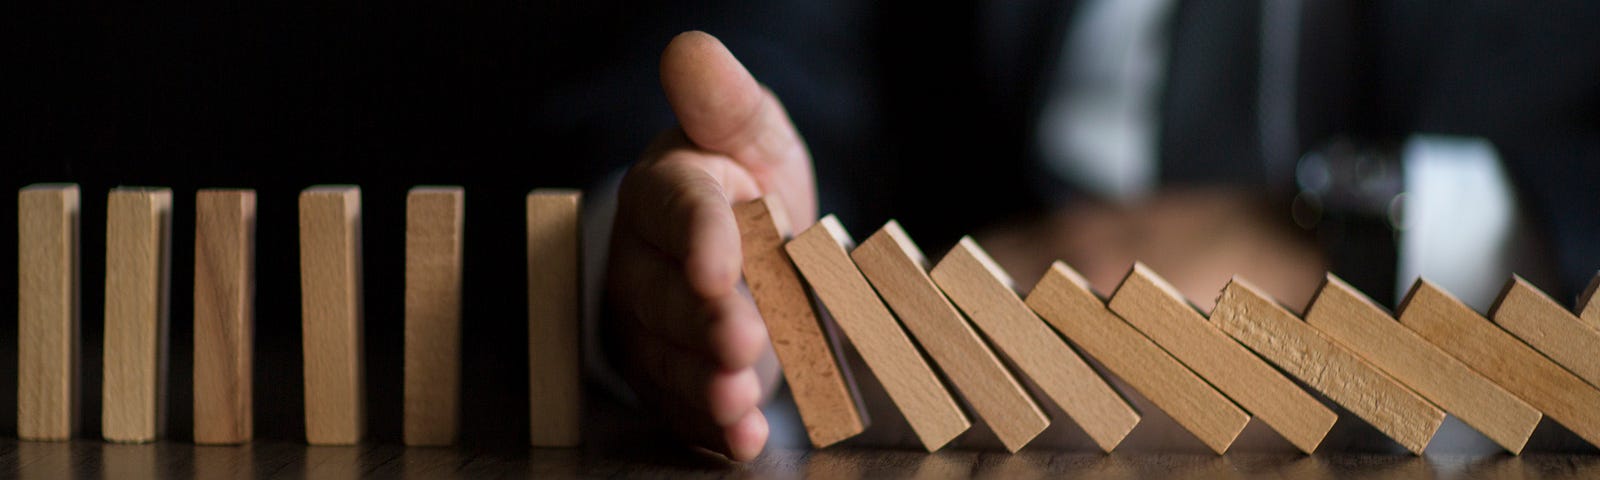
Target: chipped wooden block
{"x":1355,"y":322}
{"x":1446,"y":322}
{"x":1549,"y":328}
{"x":1157,"y":309}
{"x":432,"y":392}
{"x":1063,"y":299}
{"x":331,"y":317}
{"x":976,"y":284}
{"x":828,"y":408}
{"x":899,"y":271}
{"x":1259,"y":322}
{"x":820,"y":253}
{"x":554,"y":317}
{"x":224,"y":315}
{"x":48,"y":337}
{"x":1589,"y":309}
{"x":138,"y":268}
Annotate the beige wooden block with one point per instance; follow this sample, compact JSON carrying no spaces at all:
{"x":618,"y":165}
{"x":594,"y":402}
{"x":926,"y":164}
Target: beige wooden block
{"x":899,"y":271}
{"x":828,"y":407}
{"x":434,"y":217}
{"x":48,"y":337}
{"x":976,"y":284}
{"x":1455,"y":328}
{"x":1248,"y":315}
{"x":331,"y":314}
{"x":1549,"y":328}
{"x":1063,"y":299}
{"x":1352,"y":320}
{"x":138,"y":269}
{"x":555,"y":381}
{"x":1589,"y":309}
{"x":820,"y":253}
{"x":224,"y":315}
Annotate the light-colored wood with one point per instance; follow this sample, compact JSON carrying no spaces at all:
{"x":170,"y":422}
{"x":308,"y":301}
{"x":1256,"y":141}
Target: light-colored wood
{"x":1545,"y":325}
{"x":434,"y":217}
{"x":899,"y":271}
{"x":820,"y":253}
{"x":224,"y":315}
{"x":1589,"y":309}
{"x":138,"y":268}
{"x":1063,"y":299}
{"x":1458,"y":330}
{"x":1257,"y":321}
{"x":331,"y":308}
{"x":48,"y":337}
{"x":976,"y":284}
{"x":828,"y":408}
{"x":1352,"y":320}
{"x":554,"y":376}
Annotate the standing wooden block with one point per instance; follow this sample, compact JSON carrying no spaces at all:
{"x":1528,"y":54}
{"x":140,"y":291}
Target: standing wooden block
{"x":828,"y":408}
{"x":976,"y":284}
{"x":331,"y":322}
{"x":433,"y":315}
{"x":1063,"y":299}
{"x":820,"y":253}
{"x":1351,"y":319}
{"x":1500,"y":357}
{"x":47,"y":312}
{"x":138,"y":267}
{"x":1588,"y":308}
{"x":1257,"y":321}
{"x":556,"y":388}
{"x":1549,"y":328}
{"x":224,"y":315}
{"x":899,"y":271}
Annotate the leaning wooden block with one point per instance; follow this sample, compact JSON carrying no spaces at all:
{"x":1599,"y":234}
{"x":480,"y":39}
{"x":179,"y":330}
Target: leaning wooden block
{"x":1352,"y":320}
{"x":828,"y":408}
{"x":331,"y":314}
{"x":433,"y":315}
{"x":820,"y":253}
{"x":47,"y":312}
{"x":898,"y":269}
{"x":1063,"y":299}
{"x":1589,"y":309}
{"x":224,"y":315}
{"x":1500,"y":357}
{"x":138,"y":264}
{"x":976,"y":284}
{"x":1549,"y":328}
{"x":554,"y":373}
{"x":1255,"y":320}
{"x":1157,"y":309}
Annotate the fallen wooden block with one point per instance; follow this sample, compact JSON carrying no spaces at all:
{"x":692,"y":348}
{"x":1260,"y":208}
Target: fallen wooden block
{"x":1589,"y":309}
{"x":1549,"y":328}
{"x":1063,"y":299}
{"x":820,"y":253}
{"x":48,"y":338}
{"x":224,"y":315}
{"x":138,"y":268}
{"x":434,"y":219}
{"x":1297,"y":348}
{"x":1356,"y":323}
{"x":331,"y":314}
{"x":554,"y":317}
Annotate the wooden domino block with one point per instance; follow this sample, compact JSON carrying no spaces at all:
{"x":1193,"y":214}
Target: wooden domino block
{"x":1063,"y":299}
{"x":1549,"y":328}
{"x":1589,"y":309}
{"x":1157,"y":309}
{"x":1352,"y":320}
{"x":47,"y":312}
{"x":554,"y":376}
{"x":898,"y":269}
{"x":1455,"y":328}
{"x":820,"y":253}
{"x":224,"y":315}
{"x":1259,"y":322}
{"x":976,"y":284}
{"x":331,"y":314}
{"x":433,"y":315}
{"x":138,"y":268}
{"x":828,"y":408}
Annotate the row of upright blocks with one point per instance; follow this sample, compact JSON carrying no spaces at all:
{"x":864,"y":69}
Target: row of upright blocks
{"x":138,"y":262}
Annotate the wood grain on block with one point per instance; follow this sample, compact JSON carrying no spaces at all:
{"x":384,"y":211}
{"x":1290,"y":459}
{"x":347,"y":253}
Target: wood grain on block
{"x":821,"y":255}
{"x":1355,"y":322}
{"x":1299,"y":349}
{"x":433,"y":315}
{"x":138,"y":268}
{"x":554,"y":376}
{"x":1588,"y":308}
{"x":828,"y":408}
{"x":331,"y":314}
{"x":48,"y":306}
{"x":976,"y":284}
{"x":1545,"y":325}
{"x":899,"y":271}
{"x":1157,"y":309}
{"x":1063,"y":299}
{"x":1458,"y":330}
{"x":224,"y":315}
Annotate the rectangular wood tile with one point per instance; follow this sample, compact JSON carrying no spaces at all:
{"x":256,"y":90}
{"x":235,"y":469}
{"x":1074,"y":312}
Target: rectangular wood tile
{"x":1545,"y":325}
{"x":138,"y":269}
{"x":224,"y":315}
{"x":554,"y":317}
{"x":434,"y":219}
{"x":331,"y":314}
{"x":48,"y":336}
